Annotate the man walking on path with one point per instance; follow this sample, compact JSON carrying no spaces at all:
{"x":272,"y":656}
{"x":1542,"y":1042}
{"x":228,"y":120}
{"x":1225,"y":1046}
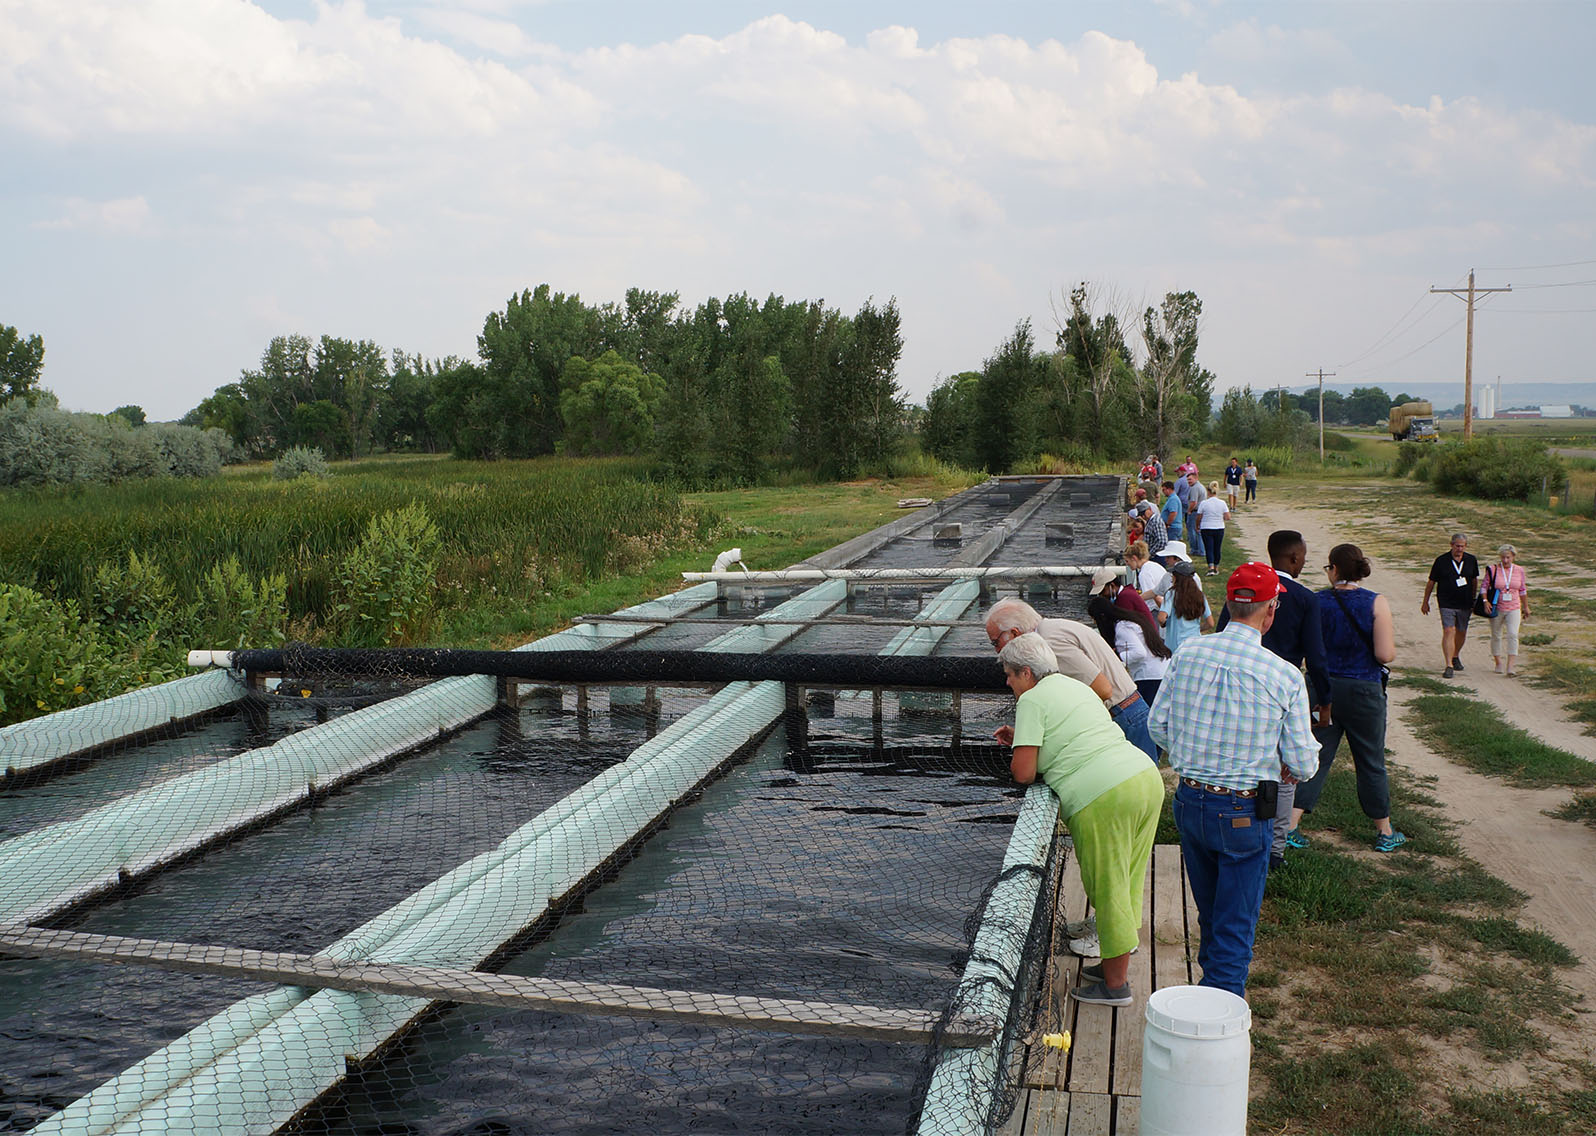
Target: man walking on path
{"x":1297,"y":637}
{"x":1454,"y":578}
{"x":1233,"y":718}
{"x":1083,"y":655}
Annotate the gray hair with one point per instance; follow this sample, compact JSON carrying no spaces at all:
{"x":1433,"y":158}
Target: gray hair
{"x":1244,"y":611}
{"x":1029,"y":652}
{"x":1506,"y":548}
{"x":1464,"y":537}
{"x":1013,"y":613}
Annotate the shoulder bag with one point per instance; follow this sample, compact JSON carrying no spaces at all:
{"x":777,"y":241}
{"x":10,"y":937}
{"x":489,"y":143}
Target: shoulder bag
{"x":1368,"y":639}
{"x":1483,"y":606}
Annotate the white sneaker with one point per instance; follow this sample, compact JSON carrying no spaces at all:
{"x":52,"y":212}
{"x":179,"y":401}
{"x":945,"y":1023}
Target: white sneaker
{"x":1086,"y":946}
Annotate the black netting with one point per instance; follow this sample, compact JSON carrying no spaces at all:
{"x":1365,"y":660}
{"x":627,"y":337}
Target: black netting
{"x":730,"y":861}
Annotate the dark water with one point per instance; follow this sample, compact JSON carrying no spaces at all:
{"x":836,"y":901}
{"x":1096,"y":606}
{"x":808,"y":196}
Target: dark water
{"x":296,"y":885}
{"x":848,"y":880}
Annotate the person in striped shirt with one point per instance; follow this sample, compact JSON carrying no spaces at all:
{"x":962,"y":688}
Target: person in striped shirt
{"x":1234,"y":719}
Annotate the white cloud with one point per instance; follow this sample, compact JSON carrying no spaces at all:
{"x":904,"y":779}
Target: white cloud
{"x":122,"y":216}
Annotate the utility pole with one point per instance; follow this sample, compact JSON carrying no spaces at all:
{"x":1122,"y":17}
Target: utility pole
{"x":1468,"y":356}
{"x":1322,"y":374}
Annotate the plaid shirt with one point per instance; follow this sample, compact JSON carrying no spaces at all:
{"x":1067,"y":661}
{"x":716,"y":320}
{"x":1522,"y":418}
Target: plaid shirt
{"x":1155,"y":534}
{"x":1230,"y":712}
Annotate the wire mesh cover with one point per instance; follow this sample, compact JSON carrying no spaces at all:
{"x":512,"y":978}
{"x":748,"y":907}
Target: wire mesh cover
{"x":626,"y":842}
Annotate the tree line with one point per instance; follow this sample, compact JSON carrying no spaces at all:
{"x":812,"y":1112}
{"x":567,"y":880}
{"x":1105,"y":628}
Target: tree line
{"x":719,"y":392}
{"x":1092,"y":395}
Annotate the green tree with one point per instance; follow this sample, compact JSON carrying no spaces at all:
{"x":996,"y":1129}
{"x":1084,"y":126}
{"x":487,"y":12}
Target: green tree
{"x":1368,"y":406}
{"x":132,"y":415}
{"x":322,"y":424}
{"x":21,"y":363}
{"x":948,"y":430}
{"x":1177,"y":398}
{"x":1006,"y":403}
{"x":524,"y":350}
{"x":608,"y":405}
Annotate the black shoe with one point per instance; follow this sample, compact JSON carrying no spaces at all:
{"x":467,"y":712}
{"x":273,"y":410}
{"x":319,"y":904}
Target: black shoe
{"x":1091,"y":974}
{"x":1276,"y":862}
{"x":1457,"y":663}
{"x":1447,"y":673}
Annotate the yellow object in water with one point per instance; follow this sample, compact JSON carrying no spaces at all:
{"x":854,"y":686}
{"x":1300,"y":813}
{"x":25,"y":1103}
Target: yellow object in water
{"x":1057,"y":1040}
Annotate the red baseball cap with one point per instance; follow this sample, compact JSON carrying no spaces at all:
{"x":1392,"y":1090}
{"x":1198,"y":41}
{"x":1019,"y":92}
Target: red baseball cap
{"x":1253,"y":583}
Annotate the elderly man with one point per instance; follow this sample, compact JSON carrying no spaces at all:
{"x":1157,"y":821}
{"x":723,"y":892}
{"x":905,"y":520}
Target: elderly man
{"x":1233,"y":717}
{"x":1082,"y":655}
{"x":1154,"y":531}
{"x":1296,"y":636}
{"x":1455,"y":577}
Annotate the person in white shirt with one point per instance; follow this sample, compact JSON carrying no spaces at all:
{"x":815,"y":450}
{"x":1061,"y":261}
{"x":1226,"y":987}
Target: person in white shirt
{"x":1152,"y":579}
{"x":1136,"y":641}
{"x":1211,"y":516}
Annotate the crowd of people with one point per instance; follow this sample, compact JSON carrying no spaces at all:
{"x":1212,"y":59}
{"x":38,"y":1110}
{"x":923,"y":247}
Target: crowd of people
{"x":1249,"y":711}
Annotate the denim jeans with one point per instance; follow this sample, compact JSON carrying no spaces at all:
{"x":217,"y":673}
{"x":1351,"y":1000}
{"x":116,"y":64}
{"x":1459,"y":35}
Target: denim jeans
{"x":1226,"y":850}
{"x":1132,"y":721}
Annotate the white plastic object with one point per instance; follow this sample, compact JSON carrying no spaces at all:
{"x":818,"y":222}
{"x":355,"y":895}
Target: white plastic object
{"x":725,"y":560}
{"x":1196,"y":1055}
{"x":210,"y":659}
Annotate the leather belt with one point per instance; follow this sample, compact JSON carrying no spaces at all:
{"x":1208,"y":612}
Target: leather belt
{"x":1190,"y":783}
{"x":1131,"y":701}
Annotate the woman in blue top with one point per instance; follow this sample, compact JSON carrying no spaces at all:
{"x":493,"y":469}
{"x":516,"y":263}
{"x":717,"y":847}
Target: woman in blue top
{"x":1189,"y":614}
{"x":1109,"y":795}
{"x":1359,"y":638}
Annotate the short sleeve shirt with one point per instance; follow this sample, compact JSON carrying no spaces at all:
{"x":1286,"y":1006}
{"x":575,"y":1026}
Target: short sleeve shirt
{"x":1455,"y":581}
{"x":1083,"y":654}
{"x":1081,"y":752}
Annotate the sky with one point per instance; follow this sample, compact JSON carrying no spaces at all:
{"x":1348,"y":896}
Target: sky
{"x":185,"y":179}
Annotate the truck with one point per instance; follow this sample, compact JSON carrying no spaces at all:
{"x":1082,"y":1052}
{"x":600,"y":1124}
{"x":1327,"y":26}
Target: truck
{"x":1413,"y":422}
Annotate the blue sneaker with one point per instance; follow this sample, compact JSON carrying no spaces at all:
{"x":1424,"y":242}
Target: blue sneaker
{"x":1389,"y":842}
{"x":1295,"y":839}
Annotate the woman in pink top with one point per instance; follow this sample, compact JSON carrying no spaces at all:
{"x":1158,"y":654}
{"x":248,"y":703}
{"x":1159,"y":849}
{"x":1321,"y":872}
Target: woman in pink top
{"x":1505,"y":589}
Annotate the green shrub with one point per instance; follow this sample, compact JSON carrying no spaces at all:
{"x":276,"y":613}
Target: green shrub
{"x":50,"y":659}
{"x":1494,"y":469}
{"x":1409,"y":456}
{"x":385,"y":584}
{"x":187,"y":451}
{"x":236,"y":611}
{"x":135,"y":601}
{"x":300,"y":461}
{"x":131,"y":453}
{"x":40,"y":445}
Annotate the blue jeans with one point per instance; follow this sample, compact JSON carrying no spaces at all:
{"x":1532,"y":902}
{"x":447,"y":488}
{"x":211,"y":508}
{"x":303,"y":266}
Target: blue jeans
{"x":1132,"y":722}
{"x":1226,"y":850}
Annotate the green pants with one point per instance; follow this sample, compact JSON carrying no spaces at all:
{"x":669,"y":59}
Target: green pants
{"x":1113,"y":840}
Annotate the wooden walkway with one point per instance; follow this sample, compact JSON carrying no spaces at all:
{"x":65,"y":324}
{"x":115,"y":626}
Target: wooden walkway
{"x":1095,"y":1089}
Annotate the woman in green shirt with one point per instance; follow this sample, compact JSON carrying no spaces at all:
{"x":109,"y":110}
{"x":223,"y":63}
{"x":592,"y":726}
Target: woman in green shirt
{"x":1108,"y":794}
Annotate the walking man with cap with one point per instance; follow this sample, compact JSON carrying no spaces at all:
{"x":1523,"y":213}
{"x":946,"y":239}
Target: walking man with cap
{"x":1454,"y":578}
{"x":1233,"y":718}
{"x":1083,"y":655}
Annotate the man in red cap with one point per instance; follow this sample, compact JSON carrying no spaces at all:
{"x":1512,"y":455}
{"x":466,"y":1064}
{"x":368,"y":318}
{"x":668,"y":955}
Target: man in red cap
{"x":1234,"y":719}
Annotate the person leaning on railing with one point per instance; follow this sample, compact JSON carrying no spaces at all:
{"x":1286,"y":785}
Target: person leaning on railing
{"x":1108,"y":794}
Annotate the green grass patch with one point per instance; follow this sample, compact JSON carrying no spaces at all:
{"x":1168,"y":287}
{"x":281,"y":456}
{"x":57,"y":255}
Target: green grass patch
{"x":1476,"y":735}
{"x":1573,"y":678}
{"x":1581,"y":808}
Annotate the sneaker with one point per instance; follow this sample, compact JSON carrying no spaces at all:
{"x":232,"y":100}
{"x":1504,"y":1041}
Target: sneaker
{"x":1090,"y":973}
{"x":1086,"y":946}
{"x":1080,"y":928}
{"x":1276,"y":862}
{"x":1295,"y":839}
{"x":1389,"y":842}
{"x":1457,"y":663}
{"x":1098,"y":994}
{"x":1447,"y":673}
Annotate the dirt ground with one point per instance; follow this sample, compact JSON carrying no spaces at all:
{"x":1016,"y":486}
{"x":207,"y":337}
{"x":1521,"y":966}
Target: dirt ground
{"x":1552,"y":861}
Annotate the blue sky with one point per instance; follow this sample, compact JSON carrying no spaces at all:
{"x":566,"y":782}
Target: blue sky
{"x":188,"y":178}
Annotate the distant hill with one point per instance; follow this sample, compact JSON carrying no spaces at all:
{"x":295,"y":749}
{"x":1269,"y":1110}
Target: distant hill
{"x":1445,"y":395}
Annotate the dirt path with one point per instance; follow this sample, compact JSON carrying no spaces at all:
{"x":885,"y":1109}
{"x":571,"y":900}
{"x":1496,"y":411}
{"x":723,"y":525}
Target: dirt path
{"x":1552,"y":861}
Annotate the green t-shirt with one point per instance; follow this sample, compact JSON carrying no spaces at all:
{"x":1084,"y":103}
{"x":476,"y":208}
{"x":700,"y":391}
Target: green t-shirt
{"x":1081,"y":752}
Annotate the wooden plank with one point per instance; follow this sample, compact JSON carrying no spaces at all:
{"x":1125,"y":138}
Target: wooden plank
{"x":1049,"y":1114}
{"x":1015,"y":1124}
{"x":1194,"y":933}
{"x":1127,"y":1116}
{"x":1049,"y":1068}
{"x":1091,"y":1114}
{"x":1128,"y":1020}
{"x":441,"y":984}
{"x":1169,"y":919}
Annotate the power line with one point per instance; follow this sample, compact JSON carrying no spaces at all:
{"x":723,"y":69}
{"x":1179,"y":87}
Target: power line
{"x":1560,"y":284}
{"x":1468,"y":352}
{"x":1544,"y":311}
{"x":1378,"y":344}
{"x":1536,"y":267}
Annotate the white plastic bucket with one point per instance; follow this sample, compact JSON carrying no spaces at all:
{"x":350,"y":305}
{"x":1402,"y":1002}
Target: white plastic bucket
{"x":1196,"y":1053}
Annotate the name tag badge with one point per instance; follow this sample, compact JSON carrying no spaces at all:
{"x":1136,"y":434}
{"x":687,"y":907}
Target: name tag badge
{"x":1461,"y":582}
{"x":1241,"y":822}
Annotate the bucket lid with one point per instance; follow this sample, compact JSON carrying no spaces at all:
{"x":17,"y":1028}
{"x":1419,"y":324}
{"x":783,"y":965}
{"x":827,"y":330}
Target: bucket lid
{"x":1198,"y":1012}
